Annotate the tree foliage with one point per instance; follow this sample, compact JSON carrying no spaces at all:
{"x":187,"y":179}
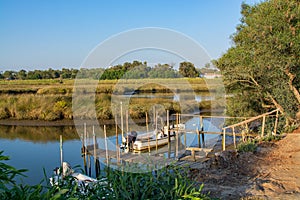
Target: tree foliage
{"x":127,"y":70}
{"x":262,"y":68}
{"x":187,"y":69}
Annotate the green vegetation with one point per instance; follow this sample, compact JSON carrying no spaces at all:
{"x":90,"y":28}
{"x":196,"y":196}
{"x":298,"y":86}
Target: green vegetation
{"x":262,"y":68}
{"x":168,"y":183}
{"x":51,"y":100}
{"x":134,"y":70}
{"x":249,"y":146}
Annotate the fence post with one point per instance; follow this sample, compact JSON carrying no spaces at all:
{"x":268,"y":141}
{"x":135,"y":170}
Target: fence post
{"x":276,"y":122}
{"x":263,"y":126}
{"x":223,"y":141}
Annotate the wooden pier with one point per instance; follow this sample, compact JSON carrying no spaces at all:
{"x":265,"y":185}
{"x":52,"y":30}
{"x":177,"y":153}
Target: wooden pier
{"x":174,"y":151}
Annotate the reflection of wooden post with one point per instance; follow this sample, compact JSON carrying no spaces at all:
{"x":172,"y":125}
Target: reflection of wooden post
{"x":263,"y":126}
{"x":223,"y":141}
{"x":276,"y":122}
{"x":234,"y":139}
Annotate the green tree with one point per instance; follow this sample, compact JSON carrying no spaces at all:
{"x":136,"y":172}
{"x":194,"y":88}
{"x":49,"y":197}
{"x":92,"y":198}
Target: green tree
{"x":262,"y":68}
{"x":187,"y":69}
{"x":22,"y":74}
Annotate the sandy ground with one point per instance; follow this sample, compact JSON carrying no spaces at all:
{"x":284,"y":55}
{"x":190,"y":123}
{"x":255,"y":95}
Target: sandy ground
{"x":273,"y":172}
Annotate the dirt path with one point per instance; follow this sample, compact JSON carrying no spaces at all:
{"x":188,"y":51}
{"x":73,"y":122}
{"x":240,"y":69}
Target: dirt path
{"x":273,"y":172}
{"x":279,"y":173}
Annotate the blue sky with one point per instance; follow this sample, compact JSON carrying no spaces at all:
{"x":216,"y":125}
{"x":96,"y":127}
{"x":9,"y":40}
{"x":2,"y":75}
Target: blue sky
{"x":39,"y":34}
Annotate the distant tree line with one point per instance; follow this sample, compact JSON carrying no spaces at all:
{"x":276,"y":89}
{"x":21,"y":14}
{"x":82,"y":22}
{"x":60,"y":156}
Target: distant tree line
{"x":128,"y":70}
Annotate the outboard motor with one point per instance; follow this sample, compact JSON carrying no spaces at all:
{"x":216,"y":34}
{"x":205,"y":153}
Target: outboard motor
{"x":131,"y":137}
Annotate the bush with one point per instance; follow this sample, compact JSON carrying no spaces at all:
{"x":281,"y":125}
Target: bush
{"x":249,"y":146}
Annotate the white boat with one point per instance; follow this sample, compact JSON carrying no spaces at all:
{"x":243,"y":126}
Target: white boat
{"x":81,"y":179}
{"x":144,"y":141}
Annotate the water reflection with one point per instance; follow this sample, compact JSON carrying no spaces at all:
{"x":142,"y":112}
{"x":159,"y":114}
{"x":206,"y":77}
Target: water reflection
{"x":35,"y":148}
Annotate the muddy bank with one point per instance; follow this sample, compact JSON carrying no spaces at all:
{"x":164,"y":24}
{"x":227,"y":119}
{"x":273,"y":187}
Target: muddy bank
{"x":272,"y":172}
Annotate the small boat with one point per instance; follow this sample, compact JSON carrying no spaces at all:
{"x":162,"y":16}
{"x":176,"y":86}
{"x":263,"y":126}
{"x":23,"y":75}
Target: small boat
{"x":144,"y":141}
{"x":81,"y":179}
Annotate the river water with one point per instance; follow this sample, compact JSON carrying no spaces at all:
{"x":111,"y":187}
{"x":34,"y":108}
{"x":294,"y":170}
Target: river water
{"x":37,"y":148}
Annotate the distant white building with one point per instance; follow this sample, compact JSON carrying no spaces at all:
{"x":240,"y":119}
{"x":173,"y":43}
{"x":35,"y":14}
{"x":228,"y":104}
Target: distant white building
{"x":211,"y":75}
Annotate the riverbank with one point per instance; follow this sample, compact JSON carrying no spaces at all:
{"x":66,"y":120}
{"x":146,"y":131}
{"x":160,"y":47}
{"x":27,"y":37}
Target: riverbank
{"x":272,"y":172}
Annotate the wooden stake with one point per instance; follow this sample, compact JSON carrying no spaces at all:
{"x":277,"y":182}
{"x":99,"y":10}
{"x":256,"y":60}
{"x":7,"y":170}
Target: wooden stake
{"x":276,"y":122}
{"x":61,"y":151}
{"x":117,"y":140}
{"x":147,"y":126}
{"x":177,"y":135}
{"x":156,"y":145}
{"x":198,"y":133}
{"x":224,"y":142}
{"x":234,"y":139}
{"x":263,"y":126}
{"x":127,"y":126}
{"x":122,"y":126}
{"x":168,"y":127}
{"x":85,"y":149}
{"x":95,"y":152}
{"x":202,"y":131}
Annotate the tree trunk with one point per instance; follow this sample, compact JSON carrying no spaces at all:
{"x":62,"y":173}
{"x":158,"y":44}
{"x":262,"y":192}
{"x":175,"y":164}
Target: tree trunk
{"x":293,"y":88}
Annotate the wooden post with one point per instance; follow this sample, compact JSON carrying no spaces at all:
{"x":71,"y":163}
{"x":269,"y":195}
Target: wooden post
{"x":85,"y":149}
{"x":177,"y":136}
{"x":61,"y":153}
{"x":198,"y":134}
{"x":276,"y":122}
{"x":156,"y":145}
{"x":184,"y":139}
{"x":168,"y":127}
{"x":147,"y":126}
{"x":117,"y":140}
{"x":223,"y":141}
{"x":149,"y":145}
{"x":89,"y":164}
{"x":234,"y":139}
{"x":154,"y":110}
{"x":95,"y":152}
{"x":122,"y":126}
{"x":202,"y":131}
{"x":263,"y":126}
{"x":127,"y":126}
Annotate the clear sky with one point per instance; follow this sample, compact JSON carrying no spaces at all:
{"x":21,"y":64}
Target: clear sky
{"x":39,"y":34}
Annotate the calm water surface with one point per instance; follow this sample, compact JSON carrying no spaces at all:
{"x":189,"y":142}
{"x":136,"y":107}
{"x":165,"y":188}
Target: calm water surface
{"x":35,"y":148}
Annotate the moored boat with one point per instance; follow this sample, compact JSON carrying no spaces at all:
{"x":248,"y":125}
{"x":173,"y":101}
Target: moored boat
{"x":156,"y":138}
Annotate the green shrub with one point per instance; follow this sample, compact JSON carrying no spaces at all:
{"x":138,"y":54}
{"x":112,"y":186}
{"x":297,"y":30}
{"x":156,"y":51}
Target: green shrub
{"x":249,"y":146}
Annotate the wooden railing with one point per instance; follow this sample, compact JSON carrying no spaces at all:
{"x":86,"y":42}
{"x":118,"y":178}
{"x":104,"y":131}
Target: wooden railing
{"x":245,"y":122}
